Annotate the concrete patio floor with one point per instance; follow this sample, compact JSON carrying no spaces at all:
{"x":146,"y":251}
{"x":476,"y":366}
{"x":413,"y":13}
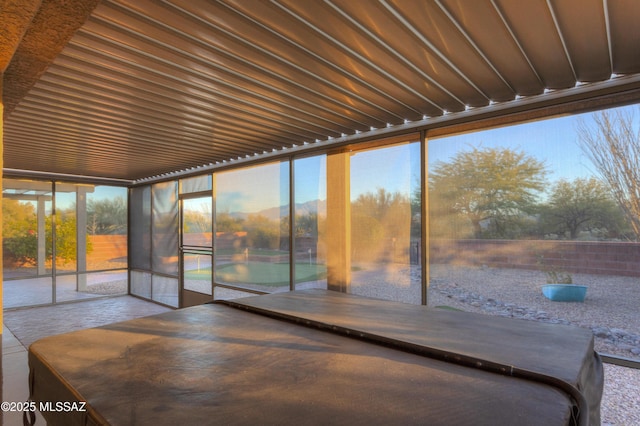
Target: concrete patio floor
{"x":33,"y":291}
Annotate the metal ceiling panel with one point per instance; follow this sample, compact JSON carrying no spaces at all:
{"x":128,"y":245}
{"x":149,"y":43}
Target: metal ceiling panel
{"x":484,"y":26}
{"x":542,"y":44}
{"x":148,"y":88}
{"x":584,"y":34}
{"x":624,"y":34}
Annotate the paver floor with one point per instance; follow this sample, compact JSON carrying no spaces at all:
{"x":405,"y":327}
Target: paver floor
{"x":31,"y":324}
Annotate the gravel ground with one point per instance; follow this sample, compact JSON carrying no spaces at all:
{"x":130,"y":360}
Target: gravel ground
{"x":610,"y":309}
{"x":621,"y":397}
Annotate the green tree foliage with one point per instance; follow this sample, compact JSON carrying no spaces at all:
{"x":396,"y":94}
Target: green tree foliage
{"x":197,"y":215}
{"x":66,"y":246}
{"x":380,"y":220}
{"x":227,"y":223}
{"x":613,"y":146}
{"x":195,"y":222}
{"x":306,"y":225}
{"x":107,"y":216}
{"x":262,"y":232}
{"x":17,"y":218}
{"x":581,"y":204}
{"x":19,"y":230}
{"x":492,"y":189}
{"x":20,"y":233}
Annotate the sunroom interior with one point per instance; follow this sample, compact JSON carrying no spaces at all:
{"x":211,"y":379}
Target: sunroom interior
{"x":421,"y":152}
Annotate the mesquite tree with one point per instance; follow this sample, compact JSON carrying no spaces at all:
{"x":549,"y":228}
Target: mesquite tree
{"x":491,"y":186}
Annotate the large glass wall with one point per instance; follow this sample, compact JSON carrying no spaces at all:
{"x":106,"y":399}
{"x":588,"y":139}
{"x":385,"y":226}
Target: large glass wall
{"x":357,"y":220}
{"x":252,"y":228}
{"x":309,"y":225}
{"x":91,"y":241}
{"x":509,"y":208}
{"x":107,"y":247}
{"x":513,"y":209}
{"x":385,"y":222}
{"x":51,"y":258}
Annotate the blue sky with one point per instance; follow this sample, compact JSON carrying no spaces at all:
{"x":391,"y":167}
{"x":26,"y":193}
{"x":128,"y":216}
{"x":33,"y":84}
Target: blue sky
{"x":65,"y":200}
{"x":554,"y":141}
{"x":253,"y":189}
{"x":397,"y":169}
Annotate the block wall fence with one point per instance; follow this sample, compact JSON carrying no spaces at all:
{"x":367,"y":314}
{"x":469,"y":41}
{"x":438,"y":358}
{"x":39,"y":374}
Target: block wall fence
{"x":584,"y":257}
{"x":588,"y":257}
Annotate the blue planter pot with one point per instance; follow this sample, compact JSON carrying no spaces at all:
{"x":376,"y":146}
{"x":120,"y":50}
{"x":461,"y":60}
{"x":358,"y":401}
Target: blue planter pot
{"x":565,"y":292}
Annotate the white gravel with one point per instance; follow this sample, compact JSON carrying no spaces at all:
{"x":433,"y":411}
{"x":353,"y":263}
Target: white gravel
{"x":621,"y":397}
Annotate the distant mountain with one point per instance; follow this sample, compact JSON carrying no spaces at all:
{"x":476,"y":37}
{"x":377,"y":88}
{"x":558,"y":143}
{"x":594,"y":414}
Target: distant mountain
{"x":275,"y":213}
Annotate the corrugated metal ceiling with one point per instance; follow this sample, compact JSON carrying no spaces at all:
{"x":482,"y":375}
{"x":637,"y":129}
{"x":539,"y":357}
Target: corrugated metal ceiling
{"x":148,"y":87}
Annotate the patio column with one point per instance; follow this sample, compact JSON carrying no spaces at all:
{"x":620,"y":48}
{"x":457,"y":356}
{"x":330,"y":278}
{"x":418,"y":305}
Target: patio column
{"x":338,"y":222}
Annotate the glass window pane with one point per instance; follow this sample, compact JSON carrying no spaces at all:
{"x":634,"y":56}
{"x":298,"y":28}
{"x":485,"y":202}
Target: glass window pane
{"x":26,"y":228}
{"x":196,"y":184}
{"x":106,"y":228}
{"x":197,"y":272}
{"x":197,"y":222}
{"x":512,"y":208}
{"x":385,"y":222}
{"x":252,"y":227}
{"x":27,"y":292}
{"x":310,"y":206}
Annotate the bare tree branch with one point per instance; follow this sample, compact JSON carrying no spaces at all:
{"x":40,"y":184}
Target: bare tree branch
{"x":613,"y":146}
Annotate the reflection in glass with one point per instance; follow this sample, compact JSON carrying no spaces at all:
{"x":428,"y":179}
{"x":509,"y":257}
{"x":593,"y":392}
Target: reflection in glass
{"x":309,"y":222}
{"x":197,"y":272}
{"x":252,"y":227}
{"x":195,"y":184}
{"x":514,"y":208}
{"x":385,"y":222}
{"x":196,"y":222}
